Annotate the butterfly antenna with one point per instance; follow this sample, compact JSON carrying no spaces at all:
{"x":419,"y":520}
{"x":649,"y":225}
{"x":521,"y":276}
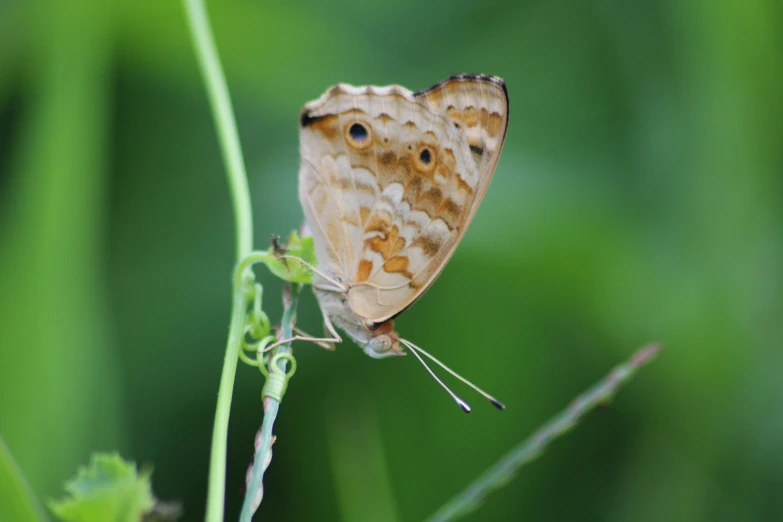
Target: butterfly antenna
{"x":462,"y":404}
{"x":496,"y":403}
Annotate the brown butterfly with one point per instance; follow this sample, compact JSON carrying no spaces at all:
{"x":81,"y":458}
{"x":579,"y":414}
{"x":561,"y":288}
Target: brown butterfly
{"x":389,"y":181}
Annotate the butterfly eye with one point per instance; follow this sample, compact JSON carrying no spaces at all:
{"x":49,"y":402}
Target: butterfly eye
{"x":358,"y":135}
{"x":380,"y":344}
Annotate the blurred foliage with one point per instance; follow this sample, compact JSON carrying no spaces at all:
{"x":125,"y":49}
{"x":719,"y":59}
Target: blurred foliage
{"x":638,"y":198}
{"x":108,"y":489}
{"x":18,"y":500}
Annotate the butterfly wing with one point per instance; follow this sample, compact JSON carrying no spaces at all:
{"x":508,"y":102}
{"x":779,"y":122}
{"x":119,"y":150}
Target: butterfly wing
{"x":477,"y":104}
{"x":390,"y":180}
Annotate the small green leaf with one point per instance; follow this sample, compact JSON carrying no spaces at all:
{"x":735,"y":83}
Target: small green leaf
{"x":108,"y":489}
{"x":290,"y":269}
{"x":17,"y":501}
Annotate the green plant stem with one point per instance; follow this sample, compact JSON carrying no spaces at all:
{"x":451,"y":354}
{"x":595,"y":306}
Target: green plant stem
{"x":263,"y":456}
{"x":220,"y":103}
{"x":223,"y":112}
{"x":503,"y":471}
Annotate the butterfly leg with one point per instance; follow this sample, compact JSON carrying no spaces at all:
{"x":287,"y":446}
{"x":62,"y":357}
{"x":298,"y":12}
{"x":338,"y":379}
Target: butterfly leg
{"x":329,"y":327}
{"x":315,"y":270}
{"x":321,"y":341}
{"x":322,"y":344}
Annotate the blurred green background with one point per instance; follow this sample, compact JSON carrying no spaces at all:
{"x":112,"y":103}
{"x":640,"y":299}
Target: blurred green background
{"x":638,"y":198}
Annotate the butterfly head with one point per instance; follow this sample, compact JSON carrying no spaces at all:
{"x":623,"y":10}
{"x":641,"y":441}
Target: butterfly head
{"x":384,"y":341}
{"x":383,"y":346}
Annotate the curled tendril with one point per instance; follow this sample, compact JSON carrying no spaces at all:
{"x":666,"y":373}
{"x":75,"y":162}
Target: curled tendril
{"x":257,"y":315}
{"x":252,"y":336}
{"x":276,"y":378}
{"x":256,"y":338}
{"x":262,"y":359}
{"x":247,"y":360}
{"x":255,"y":335}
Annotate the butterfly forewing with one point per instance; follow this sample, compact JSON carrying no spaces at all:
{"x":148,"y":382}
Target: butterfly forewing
{"x":391,"y":179}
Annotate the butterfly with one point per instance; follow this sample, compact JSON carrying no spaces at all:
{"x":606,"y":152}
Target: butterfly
{"x":389,"y":181}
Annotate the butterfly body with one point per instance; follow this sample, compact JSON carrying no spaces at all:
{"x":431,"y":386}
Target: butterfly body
{"x":377,"y":340}
{"x":389,"y":182}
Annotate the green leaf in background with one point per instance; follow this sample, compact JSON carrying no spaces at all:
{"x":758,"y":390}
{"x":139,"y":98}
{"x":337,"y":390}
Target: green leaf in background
{"x":18,"y":502}
{"x":291,"y":269}
{"x":108,"y":489}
